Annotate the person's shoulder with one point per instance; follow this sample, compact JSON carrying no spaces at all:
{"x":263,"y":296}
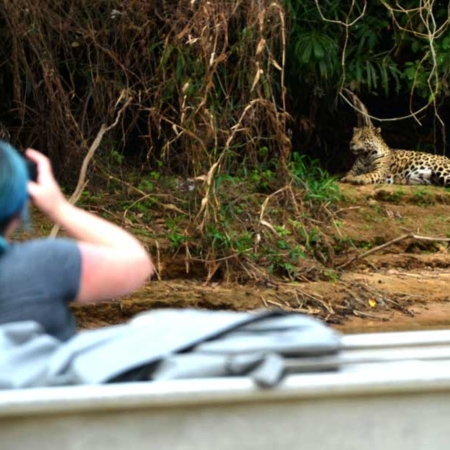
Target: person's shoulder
{"x":40,"y":257}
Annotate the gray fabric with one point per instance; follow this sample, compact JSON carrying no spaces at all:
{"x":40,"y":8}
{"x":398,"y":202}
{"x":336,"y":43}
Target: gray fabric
{"x":165,"y":345}
{"x":24,"y":354}
{"x":37,"y":280}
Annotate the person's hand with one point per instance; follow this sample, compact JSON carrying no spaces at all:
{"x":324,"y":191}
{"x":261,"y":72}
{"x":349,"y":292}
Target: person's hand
{"x":45,"y":192}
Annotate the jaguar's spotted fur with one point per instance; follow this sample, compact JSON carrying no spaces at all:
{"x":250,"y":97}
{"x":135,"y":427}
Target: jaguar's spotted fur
{"x":376,"y":163}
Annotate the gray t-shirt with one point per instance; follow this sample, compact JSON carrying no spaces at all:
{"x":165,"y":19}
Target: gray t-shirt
{"x":38,"y":279}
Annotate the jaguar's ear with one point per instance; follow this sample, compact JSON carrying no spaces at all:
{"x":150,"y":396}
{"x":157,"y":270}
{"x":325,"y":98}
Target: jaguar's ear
{"x":378,"y":130}
{"x":355,"y":129}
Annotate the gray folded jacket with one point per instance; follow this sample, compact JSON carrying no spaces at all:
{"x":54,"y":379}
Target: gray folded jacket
{"x":168,"y":344}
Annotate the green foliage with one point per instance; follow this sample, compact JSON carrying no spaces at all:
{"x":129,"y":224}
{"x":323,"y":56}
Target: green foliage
{"x":115,"y":158}
{"x":285,"y":237}
{"x":331,"y":275}
{"x":263,"y":179}
{"x":384,"y":50}
{"x":319,"y":186}
{"x":317,"y":54}
{"x":176,"y":238}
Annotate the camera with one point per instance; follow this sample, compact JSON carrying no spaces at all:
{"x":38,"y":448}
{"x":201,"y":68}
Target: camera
{"x":31,"y":166}
{"x":32,"y":169}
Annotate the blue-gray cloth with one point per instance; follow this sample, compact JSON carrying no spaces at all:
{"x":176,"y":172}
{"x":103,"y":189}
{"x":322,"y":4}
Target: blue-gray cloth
{"x":38,"y":279}
{"x":163,"y":345}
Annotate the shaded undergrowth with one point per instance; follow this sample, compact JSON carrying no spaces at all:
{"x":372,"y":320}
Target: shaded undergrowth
{"x":200,"y":86}
{"x":250,"y":229}
{"x":203,"y":81}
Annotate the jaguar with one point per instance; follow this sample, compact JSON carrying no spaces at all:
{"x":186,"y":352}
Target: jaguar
{"x":377,"y":163}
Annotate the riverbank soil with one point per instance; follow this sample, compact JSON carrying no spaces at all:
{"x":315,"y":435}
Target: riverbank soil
{"x":395,"y":275}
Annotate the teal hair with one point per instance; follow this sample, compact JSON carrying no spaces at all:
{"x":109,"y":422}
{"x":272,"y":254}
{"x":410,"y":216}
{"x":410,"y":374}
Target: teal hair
{"x":13,"y":187}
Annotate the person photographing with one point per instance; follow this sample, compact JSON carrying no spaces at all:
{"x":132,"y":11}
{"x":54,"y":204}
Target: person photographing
{"x":40,"y":277}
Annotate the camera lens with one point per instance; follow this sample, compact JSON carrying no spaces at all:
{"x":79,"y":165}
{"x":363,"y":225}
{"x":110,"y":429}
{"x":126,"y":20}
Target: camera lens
{"x":32,"y":170}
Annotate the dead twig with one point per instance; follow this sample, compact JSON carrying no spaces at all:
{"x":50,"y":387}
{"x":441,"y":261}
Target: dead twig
{"x":82,"y":182}
{"x":368,"y":315}
{"x":391,"y":242}
{"x":364,"y":118}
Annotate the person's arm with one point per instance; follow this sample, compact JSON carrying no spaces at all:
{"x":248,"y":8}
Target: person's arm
{"x":113,"y":262}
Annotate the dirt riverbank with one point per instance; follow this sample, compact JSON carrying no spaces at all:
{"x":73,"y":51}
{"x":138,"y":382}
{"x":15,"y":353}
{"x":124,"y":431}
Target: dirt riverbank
{"x":402,"y":286}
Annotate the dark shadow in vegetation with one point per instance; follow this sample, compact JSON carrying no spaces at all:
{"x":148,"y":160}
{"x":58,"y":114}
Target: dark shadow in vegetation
{"x":205,"y":80}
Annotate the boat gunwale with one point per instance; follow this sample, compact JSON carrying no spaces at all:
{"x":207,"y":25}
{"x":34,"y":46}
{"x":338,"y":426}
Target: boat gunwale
{"x":410,"y":377}
{"x":415,"y":376}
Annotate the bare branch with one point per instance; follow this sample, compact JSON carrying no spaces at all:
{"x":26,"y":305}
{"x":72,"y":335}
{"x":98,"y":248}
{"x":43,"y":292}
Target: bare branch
{"x":82,"y":182}
{"x":388,"y":244}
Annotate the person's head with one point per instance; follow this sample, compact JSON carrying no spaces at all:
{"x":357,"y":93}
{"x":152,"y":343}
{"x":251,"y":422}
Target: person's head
{"x":13,"y":189}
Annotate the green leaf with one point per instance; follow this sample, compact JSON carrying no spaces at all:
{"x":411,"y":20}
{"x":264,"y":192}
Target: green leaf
{"x":306,"y":56}
{"x":318,"y":50}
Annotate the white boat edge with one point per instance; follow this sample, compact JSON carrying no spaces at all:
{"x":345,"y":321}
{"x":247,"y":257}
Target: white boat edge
{"x":383,"y":403}
{"x":352,"y":379}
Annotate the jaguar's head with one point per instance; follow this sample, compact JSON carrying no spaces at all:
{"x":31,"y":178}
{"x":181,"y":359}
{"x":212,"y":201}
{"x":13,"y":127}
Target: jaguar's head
{"x":365,"y":140}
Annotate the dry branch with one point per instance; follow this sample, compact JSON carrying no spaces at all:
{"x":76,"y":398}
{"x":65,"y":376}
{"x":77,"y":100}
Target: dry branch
{"x":82,"y":182}
{"x":355,"y":102}
{"x":387,"y":244}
